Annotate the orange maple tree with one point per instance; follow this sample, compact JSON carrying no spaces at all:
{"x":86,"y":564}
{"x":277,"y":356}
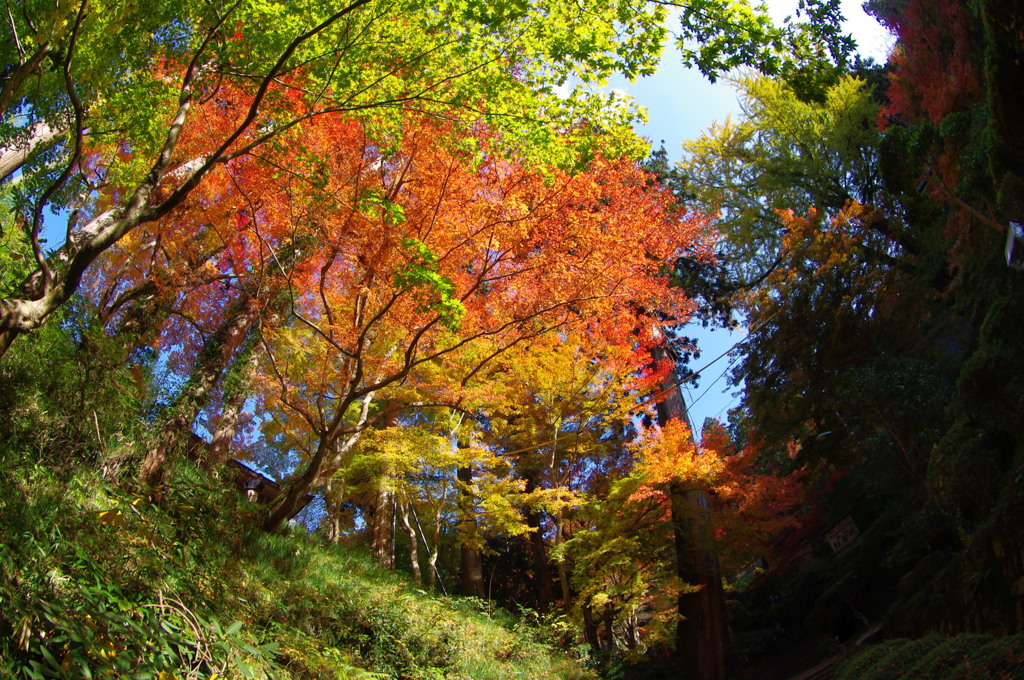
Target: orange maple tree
{"x":381,"y":257}
{"x":438,"y":247}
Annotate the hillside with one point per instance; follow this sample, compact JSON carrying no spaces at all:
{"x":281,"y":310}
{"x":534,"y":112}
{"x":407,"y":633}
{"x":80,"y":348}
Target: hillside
{"x":183,"y":583}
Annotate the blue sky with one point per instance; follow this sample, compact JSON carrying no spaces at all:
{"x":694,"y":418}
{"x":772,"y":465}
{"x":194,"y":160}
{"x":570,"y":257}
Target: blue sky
{"x":681,"y":104}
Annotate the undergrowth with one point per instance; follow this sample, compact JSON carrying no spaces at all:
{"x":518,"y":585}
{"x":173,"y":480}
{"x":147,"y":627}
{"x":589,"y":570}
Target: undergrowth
{"x":939,"y":657}
{"x":96,"y":581}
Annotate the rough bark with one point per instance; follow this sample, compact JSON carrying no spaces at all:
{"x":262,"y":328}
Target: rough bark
{"x":382,"y":536}
{"x":539,"y":550}
{"x":227,"y":427}
{"x":471,"y":575}
{"x":701,"y":635}
{"x":234,"y":401}
{"x":214,"y":359}
{"x":333,"y":520}
{"x":590,"y":628}
{"x":382,"y":530}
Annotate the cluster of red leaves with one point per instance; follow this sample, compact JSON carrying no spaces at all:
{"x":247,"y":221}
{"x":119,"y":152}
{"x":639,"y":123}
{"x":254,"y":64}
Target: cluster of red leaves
{"x":935,"y":62}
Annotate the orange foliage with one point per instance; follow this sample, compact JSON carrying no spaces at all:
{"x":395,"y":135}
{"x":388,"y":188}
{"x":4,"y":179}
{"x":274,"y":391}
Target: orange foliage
{"x":751,"y":505}
{"x":669,"y":455}
{"x":375,"y":260}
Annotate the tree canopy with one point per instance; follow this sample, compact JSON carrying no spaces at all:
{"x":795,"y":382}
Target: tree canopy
{"x":402,"y":276}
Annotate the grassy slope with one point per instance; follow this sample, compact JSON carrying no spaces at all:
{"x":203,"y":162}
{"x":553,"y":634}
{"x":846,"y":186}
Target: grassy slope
{"x":94,"y":581}
{"x":937,"y":657}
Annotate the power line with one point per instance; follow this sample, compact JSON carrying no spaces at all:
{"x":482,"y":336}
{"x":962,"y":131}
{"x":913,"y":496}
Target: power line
{"x":655,"y":397}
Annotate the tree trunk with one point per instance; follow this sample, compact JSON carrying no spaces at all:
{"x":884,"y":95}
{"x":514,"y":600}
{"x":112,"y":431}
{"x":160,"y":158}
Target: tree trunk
{"x":702,"y":632}
{"x":227,"y":426}
{"x":472,"y":572}
{"x":410,"y":531}
{"x":382,"y":536}
{"x":54,"y":284}
{"x":608,"y":618}
{"x":435,"y":551}
{"x":590,"y":628}
{"x":290,"y":498}
{"x":539,"y":550}
{"x":6,"y":340}
{"x":236,"y":391}
{"x":333,"y":507}
{"x":563,"y":569}
{"x":324,"y":462}
{"x":213,"y":361}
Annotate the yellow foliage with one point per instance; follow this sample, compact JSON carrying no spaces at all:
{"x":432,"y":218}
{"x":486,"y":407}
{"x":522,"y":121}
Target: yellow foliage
{"x":668,"y":455}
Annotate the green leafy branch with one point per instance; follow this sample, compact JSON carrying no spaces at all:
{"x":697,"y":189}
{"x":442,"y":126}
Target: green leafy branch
{"x":435,"y":291}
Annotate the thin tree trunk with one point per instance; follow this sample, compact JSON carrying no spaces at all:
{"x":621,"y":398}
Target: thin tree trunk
{"x":435,"y":551}
{"x":410,"y":531}
{"x":563,"y":570}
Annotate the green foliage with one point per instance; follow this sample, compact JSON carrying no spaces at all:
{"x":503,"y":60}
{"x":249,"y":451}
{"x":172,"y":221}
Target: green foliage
{"x":436,"y":292}
{"x":95,"y":578}
{"x":117,"y":590}
{"x":936,"y":657}
{"x":67,"y":396}
{"x":782,"y":154}
{"x":16,"y":260}
{"x":809,"y":56}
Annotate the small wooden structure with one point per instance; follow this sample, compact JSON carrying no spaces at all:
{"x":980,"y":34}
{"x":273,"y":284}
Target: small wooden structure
{"x":257,"y":487}
{"x":254,"y":485}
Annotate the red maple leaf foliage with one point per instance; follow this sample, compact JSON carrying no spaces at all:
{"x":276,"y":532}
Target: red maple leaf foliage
{"x":936,"y":62}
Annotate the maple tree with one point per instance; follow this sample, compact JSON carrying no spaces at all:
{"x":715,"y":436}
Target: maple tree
{"x":294,"y":61}
{"x":442,"y":247}
{"x":558,"y":410}
{"x":199,"y":285}
{"x":400,"y":266}
{"x":107,"y":119}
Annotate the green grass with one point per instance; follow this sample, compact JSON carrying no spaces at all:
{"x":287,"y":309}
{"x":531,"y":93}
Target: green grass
{"x":98,"y":582}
